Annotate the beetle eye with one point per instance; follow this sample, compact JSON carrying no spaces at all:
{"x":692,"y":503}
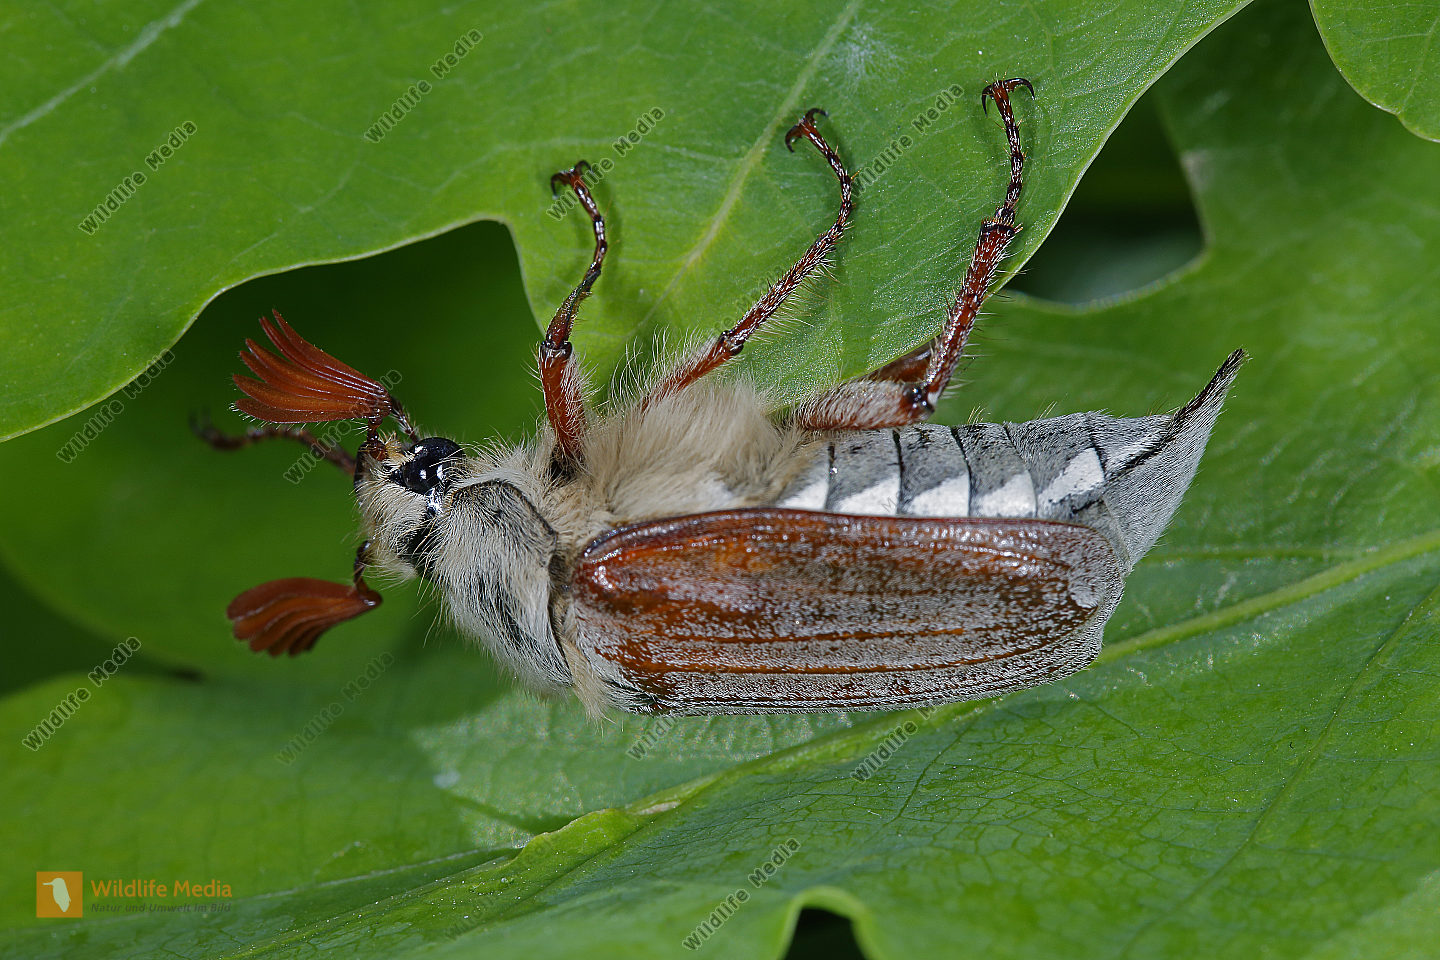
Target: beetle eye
{"x":429,"y":464}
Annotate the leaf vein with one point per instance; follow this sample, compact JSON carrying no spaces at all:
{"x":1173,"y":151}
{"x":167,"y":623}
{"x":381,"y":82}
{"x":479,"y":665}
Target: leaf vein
{"x":752,"y":158}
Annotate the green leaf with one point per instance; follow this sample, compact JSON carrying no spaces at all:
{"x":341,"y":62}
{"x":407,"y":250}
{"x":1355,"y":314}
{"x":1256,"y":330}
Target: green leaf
{"x":1390,"y":53}
{"x":1253,"y":768}
{"x":278,"y":171}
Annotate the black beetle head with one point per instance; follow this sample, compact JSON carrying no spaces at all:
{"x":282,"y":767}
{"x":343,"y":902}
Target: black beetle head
{"x":431,"y":460}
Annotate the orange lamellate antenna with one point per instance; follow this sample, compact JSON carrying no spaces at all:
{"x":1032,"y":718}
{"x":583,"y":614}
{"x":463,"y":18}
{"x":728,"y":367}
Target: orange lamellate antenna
{"x":289,"y":615}
{"x":304,"y":384}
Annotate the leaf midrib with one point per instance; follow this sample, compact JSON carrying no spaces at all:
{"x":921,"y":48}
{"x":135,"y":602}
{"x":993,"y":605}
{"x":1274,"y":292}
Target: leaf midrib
{"x":751,"y":159}
{"x":144,"y":38}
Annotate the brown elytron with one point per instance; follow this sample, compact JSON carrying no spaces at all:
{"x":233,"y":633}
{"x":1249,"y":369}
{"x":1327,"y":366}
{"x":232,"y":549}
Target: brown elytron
{"x":836,"y":611}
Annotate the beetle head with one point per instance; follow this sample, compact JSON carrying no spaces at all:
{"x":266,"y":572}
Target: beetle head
{"x":404,"y":488}
{"x":402,"y":485}
{"x":469,"y":523}
{"x":472,"y":526}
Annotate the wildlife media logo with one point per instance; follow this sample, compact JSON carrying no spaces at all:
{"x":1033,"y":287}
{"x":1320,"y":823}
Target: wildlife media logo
{"x":59,"y":893}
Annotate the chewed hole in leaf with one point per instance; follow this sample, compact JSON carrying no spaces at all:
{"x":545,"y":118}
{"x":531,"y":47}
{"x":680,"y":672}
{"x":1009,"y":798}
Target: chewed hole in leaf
{"x":820,"y":933}
{"x":1131,"y":222}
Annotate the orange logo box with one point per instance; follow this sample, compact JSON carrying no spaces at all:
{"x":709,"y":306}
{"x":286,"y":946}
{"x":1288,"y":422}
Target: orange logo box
{"x":59,"y":893}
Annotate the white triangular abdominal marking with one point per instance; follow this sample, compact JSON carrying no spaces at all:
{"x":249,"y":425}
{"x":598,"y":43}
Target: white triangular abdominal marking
{"x":1080,"y":476}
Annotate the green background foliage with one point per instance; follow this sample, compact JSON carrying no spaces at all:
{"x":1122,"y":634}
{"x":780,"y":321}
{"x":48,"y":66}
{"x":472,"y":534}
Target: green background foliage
{"x":1252,"y":766}
{"x":1389,"y":51}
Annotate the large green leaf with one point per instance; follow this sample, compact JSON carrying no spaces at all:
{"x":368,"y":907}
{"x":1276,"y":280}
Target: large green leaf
{"x":1252,"y":769}
{"x":1390,"y":53}
{"x":279,"y":172}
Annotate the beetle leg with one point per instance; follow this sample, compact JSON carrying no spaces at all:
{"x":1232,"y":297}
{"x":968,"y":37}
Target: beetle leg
{"x":564,"y":406}
{"x":910,"y":367}
{"x":906,"y":390}
{"x":321,"y":447}
{"x":732,"y":341}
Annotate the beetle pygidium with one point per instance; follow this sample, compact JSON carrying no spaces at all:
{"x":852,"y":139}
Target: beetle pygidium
{"x":694,"y":550}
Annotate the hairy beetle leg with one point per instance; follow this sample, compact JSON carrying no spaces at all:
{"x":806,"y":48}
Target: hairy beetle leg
{"x":906,"y":390}
{"x":564,"y":407}
{"x":732,"y":341}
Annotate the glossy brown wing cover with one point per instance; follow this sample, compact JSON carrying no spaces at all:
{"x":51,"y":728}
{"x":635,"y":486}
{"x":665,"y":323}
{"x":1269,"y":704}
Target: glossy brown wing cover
{"x":771,"y":609}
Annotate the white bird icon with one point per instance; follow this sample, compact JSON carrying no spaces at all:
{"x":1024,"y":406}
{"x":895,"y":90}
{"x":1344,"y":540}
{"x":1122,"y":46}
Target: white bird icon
{"x":60,"y":892}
